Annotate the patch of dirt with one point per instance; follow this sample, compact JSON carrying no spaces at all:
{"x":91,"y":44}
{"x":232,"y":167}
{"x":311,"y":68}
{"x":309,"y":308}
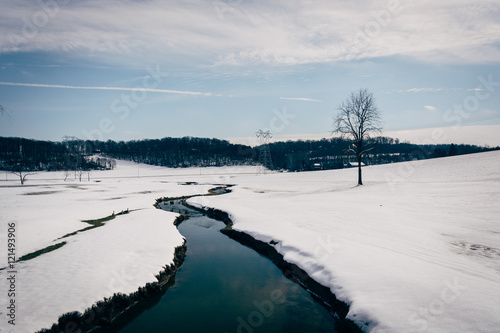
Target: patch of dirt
{"x":77,"y":187}
{"x":41,"y":193}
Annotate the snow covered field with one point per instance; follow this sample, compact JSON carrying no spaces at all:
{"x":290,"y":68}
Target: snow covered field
{"x":124,"y":254}
{"x":416,"y":249}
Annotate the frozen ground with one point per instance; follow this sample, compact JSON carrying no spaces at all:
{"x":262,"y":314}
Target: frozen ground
{"x":416,"y":249}
{"x":119,"y":257}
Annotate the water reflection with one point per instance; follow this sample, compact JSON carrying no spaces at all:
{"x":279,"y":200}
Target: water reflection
{"x":224,"y":286}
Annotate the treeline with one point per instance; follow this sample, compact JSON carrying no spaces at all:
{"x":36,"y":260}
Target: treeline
{"x":335,"y":153}
{"x":177,"y":152}
{"x":19,"y":154}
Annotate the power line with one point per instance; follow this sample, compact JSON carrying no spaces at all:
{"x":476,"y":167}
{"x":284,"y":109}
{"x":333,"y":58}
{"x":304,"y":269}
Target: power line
{"x":264,"y":151}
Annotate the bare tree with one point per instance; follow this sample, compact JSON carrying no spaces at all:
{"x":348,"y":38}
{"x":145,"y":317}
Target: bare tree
{"x":22,"y":175}
{"x":357,"y":119}
{"x":6,"y":112}
{"x":21,"y":167}
{"x":79,"y":173}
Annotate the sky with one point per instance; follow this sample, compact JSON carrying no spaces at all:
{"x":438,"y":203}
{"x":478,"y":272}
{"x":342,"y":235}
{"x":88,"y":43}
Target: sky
{"x":129,"y":70}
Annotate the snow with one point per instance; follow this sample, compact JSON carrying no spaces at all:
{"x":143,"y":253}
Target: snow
{"x":119,"y":257}
{"x":415,"y":249}
{"x":124,"y":254}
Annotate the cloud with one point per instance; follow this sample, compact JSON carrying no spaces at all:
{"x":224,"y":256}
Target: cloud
{"x":477,"y":89}
{"x":430,"y":107}
{"x":300,"y":99}
{"x":419,"y":90}
{"x":41,"y":85}
{"x":280,"y":32}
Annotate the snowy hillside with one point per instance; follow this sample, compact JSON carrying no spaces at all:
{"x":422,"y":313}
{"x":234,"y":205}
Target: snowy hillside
{"x":124,"y":254}
{"x":416,"y":249}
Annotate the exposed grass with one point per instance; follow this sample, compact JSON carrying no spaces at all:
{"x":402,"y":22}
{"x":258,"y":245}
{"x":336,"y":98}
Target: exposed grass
{"x":40,"y":193}
{"x":96,"y":223}
{"x":108,"y":314}
{"x":81,"y":230}
{"x":76,"y":187}
{"x":37,"y":253}
{"x":102,"y":220}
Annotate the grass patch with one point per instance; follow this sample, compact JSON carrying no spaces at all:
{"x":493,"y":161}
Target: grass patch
{"x":37,"y":253}
{"x":101,"y":221}
{"x":96,"y":223}
{"x":108,"y":314}
{"x":81,"y":230}
{"x":41,"y":193}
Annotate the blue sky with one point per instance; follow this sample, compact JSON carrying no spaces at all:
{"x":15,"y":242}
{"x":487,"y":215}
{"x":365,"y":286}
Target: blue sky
{"x":127,"y":70}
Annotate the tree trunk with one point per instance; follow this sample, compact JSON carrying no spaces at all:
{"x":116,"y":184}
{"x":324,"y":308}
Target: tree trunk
{"x":360,"y":182}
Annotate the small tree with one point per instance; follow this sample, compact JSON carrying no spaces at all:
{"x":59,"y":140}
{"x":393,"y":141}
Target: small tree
{"x":21,"y":167}
{"x":357,"y":119}
{"x":79,"y":173}
{"x":22,"y":175}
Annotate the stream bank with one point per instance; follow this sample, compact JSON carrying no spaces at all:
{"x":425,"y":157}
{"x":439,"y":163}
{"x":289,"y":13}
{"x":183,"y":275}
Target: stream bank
{"x":112,"y":312}
{"x":337,"y":308}
{"x":119,"y":312}
{"x":226,"y":287}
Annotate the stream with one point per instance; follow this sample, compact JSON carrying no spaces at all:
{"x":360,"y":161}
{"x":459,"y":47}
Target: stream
{"x":224,"y":286}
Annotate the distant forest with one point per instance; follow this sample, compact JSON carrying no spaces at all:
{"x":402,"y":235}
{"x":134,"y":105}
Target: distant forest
{"x":335,"y":153}
{"x":20,"y":154}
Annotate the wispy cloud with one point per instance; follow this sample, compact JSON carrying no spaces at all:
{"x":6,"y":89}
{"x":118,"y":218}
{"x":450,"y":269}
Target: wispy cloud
{"x":242,"y":32}
{"x":168,"y":91}
{"x":418,"y":90}
{"x":303,"y":99}
{"x":430,"y":107}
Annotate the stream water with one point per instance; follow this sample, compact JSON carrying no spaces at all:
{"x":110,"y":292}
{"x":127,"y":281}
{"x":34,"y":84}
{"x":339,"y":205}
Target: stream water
{"x":224,"y":286}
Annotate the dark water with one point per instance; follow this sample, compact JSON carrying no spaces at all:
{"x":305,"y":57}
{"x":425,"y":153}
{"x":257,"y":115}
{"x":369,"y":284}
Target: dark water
{"x":224,"y":286}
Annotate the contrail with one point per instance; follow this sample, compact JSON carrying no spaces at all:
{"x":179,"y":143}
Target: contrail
{"x":300,"y":99}
{"x":168,"y":91}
